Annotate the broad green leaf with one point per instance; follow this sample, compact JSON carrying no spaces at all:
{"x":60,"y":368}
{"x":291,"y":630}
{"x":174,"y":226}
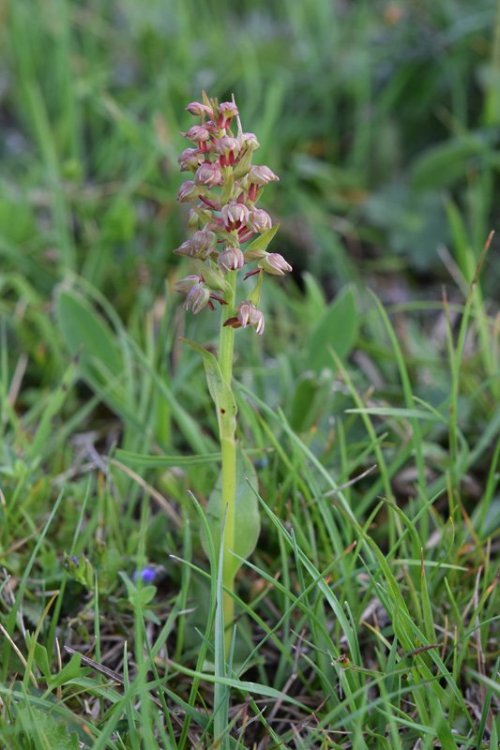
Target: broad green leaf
{"x":247,"y":512}
{"x":17,"y":223}
{"x":71,"y":671}
{"x":308,"y":402}
{"x":337,"y":330}
{"x":47,"y":730}
{"x":443,"y":165}
{"x":412,"y":220}
{"x":314,"y":295}
{"x":40,"y":657}
{"x":140,"y":595}
{"x":220,"y":391}
{"x":119,"y":222}
{"x":88,"y":336}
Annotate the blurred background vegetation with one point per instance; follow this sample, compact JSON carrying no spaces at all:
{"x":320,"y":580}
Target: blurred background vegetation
{"x":382,"y":119}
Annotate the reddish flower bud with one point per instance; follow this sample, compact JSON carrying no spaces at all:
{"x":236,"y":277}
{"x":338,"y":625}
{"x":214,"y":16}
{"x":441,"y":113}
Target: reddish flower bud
{"x":209,"y":174}
{"x":261,"y":175}
{"x":197,"y":298}
{"x":187,"y":283}
{"x":190,"y":159}
{"x":259,"y":220}
{"x":188,"y":191}
{"x":203,"y":242}
{"x":197,"y":133}
{"x":249,"y":141}
{"x":200,"y":245}
{"x":199,"y":109}
{"x":224,"y":218}
{"x":187,"y":248}
{"x":231,"y":259}
{"x":228,"y":109}
{"x":275,"y":264}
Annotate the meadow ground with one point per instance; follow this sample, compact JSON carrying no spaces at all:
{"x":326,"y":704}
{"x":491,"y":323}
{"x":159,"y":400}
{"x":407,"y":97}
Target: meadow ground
{"x":368,"y":614}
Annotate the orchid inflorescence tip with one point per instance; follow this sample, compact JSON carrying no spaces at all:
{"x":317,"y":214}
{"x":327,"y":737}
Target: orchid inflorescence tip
{"x":230,"y":232}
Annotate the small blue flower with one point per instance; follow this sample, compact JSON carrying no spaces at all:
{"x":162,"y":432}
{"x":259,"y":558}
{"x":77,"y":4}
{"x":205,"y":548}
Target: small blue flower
{"x":146,"y":575}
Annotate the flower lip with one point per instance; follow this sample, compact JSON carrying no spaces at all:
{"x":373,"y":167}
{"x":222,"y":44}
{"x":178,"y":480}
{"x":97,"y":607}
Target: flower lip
{"x":234,"y":215}
{"x":225,"y":113}
{"x":249,"y":315}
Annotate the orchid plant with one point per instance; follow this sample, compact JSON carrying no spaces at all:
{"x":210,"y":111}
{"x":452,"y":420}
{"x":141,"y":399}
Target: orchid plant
{"x":228,"y":251}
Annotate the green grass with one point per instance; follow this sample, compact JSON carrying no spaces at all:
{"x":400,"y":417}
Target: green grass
{"x":368,"y":615}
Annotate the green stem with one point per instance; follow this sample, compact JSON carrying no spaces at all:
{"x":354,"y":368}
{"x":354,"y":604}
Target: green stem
{"x":227,"y":430}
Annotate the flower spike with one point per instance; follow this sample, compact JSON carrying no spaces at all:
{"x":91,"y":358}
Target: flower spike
{"x":222,"y":194}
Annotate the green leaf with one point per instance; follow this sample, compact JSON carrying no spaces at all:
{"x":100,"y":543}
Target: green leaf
{"x":337,"y":330}
{"x":46,"y":730}
{"x":17,"y":222}
{"x":240,"y":685}
{"x":40,"y":657}
{"x":139,"y":596}
{"x":71,"y":671}
{"x":261,"y":242}
{"x":87,"y":335}
{"x":443,"y":165}
{"x":412,"y":220}
{"x":461,"y":245}
{"x":119,"y":222}
{"x":314,"y":295}
{"x":392,"y":411}
{"x":247,"y":515}
{"x":219,"y":390}
{"x":308,"y":402}
{"x":140,"y":459}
